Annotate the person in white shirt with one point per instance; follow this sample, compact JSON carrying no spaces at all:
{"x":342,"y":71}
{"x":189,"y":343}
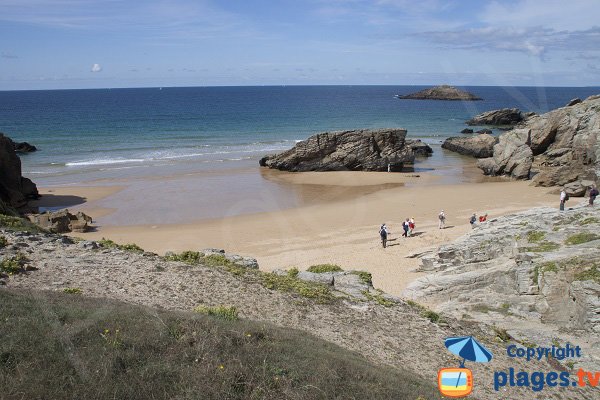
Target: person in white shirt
{"x":563,"y":198}
{"x":442,"y":219}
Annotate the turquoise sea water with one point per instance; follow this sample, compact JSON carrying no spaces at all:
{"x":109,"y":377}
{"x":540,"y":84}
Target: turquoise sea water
{"x":207,"y":141}
{"x":86,"y":135}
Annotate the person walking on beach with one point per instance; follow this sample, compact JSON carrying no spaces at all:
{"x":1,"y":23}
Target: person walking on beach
{"x":483,"y":218}
{"x":593,"y":194}
{"x":442,"y":219}
{"x":405,"y":227}
{"x":383,"y":234}
{"x":411,"y":226}
{"x":473,"y":220}
{"x":563,"y":198}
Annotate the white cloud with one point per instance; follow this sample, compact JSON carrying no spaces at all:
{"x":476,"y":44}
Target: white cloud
{"x":96,"y":68}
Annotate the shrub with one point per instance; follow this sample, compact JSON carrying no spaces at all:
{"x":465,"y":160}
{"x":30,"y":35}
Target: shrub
{"x":365,"y":277}
{"x":582,"y":237}
{"x":319,"y":292}
{"x":223,"y":312}
{"x":188,"y":257}
{"x":535,"y":236}
{"x":13,"y":265}
{"x":321,"y":268}
{"x":431,"y":315}
{"x":293,"y":272}
{"x":378,"y":298}
{"x":216,"y":260}
{"x":72,"y":290}
{"x":592,"y":274}
{"x":542,"y":247}
{"x":15,"y":223}
{"x":3,"y":241}
{"x":109,"y":244}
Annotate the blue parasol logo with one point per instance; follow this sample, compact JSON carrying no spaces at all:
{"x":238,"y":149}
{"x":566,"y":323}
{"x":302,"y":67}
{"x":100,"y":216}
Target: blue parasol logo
{"x":467,"y":348}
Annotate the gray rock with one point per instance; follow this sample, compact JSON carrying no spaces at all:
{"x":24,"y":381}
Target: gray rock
{"x":325,"y":277}
{"x":559,"y":147}
{"x":211,"y":251}
{"x":502,"y":117}
{"x":481,"y":146}
{"x":15,"y":190}
{"x":443,"y":92}
{"x":576,"y":189}
{"x":89,"y":245}
{"x":574,"y":101}
{"x":357,"y":150}
{"x":61,"y":221}
{"x":350,"y":284}
{"x":467,"y":130}
{"x":419,"y":148}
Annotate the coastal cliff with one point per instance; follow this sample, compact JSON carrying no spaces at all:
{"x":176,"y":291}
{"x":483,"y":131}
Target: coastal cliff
{"x":553,"y":149}
{"x":15,"y":190}
{"x":355,"y":150}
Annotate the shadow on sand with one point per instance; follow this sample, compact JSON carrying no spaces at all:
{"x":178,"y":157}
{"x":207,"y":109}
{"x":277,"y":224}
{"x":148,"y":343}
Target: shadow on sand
{"x":57,"y":202}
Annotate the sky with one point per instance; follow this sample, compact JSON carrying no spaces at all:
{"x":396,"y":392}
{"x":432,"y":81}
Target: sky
{"x":60,"y":44}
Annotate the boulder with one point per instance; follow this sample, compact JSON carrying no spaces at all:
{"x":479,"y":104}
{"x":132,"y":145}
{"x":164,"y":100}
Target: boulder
{"x":485,"y":132}
{"x":480,"y":146}
{"x":324,"y":277}
{"x":574,"y":101}
{"x":553,"y":149}
{"x":24,"y":147}
{"x":15,"y":190}
{"x":577,"y":188}
{"x":351,"y":284}
{"x":502,"y":117}
{"x":467,"y":130}
{"x":61,"y":221}
{"x":420,"y":148}
{"x":511,"y":156}
{"x":443,"y":92}
{"x":356,"y":150}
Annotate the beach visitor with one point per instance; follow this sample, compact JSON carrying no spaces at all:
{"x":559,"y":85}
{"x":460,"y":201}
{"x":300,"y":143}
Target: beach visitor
{"x":593,"y":194}
{"x":483,"y":218}
{"x":411,"y":226}
{"x":383,"y":234}
{"x":442,"y":219}
{"x":405,"y":227}
{"x":563,"y":198}
{"x":389,"y":167}
{"x":473,"y":220}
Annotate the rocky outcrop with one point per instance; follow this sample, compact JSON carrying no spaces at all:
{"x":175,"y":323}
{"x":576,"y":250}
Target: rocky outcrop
{"x":467,"y":130}
{"x":553,"y":149}
{"x":356,"y":150}
{"x":574,"y":101}
{"x":61,"y":221}
{"x":480,"y":146}
{"x":420,"y":148}
{"x":530,"y":273}
{"x":502,"y":117}
{"x":443,"y":92}
{"x":15,"y":190}
{"x":24,"y":147}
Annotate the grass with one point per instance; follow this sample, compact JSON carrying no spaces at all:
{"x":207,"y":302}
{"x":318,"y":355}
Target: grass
{"x":425,"y":312}
{"x":535,"y":236}
{"x":322,"y":268}
{"x":223,"y":312}
{"x":378,"y":298}
{"x":3,"y":241}
{"x":13,"y":265}
{"x":580,"y":238}
{"x":56,"y":346}
{"x":109,"y":244}
{"x":365,"y":277}
{"x":319,"y":292}
{"x":542,"y":247}
{"x":15,"y":223}
{"x":72,"y":290}
{"x":590,"y":220}
{"x":591,"y":274}
{"x":502,"y":334}
{"x":188,"y":257}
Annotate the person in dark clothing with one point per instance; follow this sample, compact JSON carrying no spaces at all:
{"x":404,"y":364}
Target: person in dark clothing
{"x":406,"y":227}
{"x":473,"y":220}
{"x":593,"y":194}
{"x":383,"y":234}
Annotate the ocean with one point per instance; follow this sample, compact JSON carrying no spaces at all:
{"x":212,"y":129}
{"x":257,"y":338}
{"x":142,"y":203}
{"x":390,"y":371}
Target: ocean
{"x":102,"y":136}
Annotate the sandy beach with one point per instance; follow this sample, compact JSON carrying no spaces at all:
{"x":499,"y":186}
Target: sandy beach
{"x":339,"y":228}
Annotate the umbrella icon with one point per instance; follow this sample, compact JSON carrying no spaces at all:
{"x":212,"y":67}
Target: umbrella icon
{"x":469,"y":349}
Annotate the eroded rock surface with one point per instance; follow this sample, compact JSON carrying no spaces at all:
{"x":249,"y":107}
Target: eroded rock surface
{"x":480,"y":146}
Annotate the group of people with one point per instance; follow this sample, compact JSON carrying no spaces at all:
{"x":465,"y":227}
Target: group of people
{"x":408,"y":227}
{"x":564,"y":197}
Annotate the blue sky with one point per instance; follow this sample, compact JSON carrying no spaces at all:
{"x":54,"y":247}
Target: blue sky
{"x":46,"y":44}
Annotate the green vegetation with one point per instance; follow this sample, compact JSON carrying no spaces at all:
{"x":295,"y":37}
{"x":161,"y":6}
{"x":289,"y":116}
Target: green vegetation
{"x":56,"y":346}
{"x":378,"y":298}
{"x":535,"y":236}
{"x":432,"y":316}
{"x":321,"y":268}
{"x":293,"y":272}
{"x":425,"y":312}
{"x":109,"y":244}
{"x":13,"y":265}
{"x":582,"y":237}
{"x":365,"y":277}
{"x":502,"y":334}
{"x":590,"y":220}
{"x":591,"y":274}
{"x":542,"y":247}
{"x":3,"y":241}
{"x":223,"y":312}
{"x":15,"y":223}
{"x":188,"y":257}
{"x":319,"y":292}
{"x":72,"y":290}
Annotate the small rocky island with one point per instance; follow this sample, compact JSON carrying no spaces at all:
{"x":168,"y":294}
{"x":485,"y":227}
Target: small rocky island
{"x":355,"y":150}
{"x":443,"y":92}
